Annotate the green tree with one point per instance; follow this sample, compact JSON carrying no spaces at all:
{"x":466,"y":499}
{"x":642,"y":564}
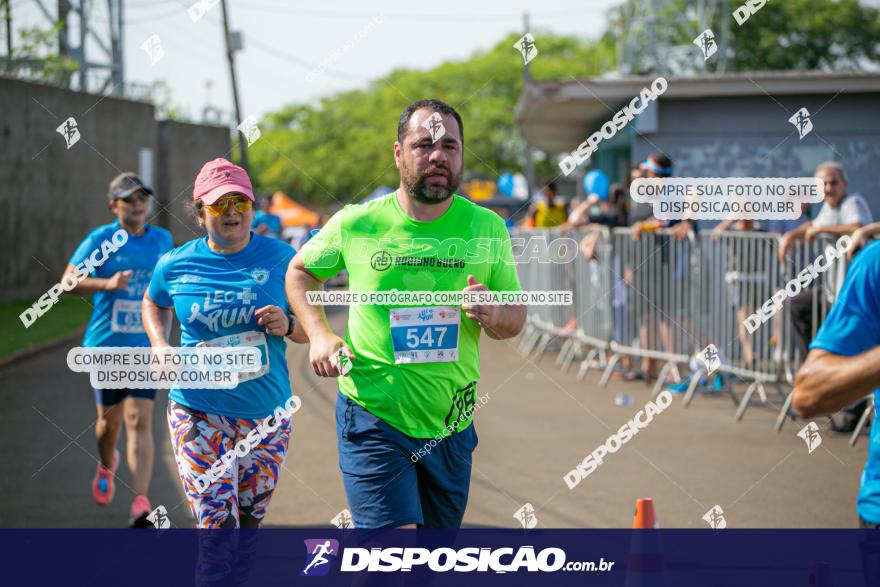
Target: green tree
{"x":789,"y":35}
{"x":35,"y":56}
{"x":809,"y":34}
{"x":340,"y":149}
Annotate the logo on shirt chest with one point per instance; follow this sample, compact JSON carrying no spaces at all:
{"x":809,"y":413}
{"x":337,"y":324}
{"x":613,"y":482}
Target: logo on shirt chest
{"x":260,"y":275}
{"x":383,"y":260}
{"x":211,"y":313}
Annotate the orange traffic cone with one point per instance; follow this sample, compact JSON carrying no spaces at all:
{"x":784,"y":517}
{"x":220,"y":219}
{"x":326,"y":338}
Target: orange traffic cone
{"x":644,"y":516}
{"x":645,"y":567}
{"x":820,"y":575}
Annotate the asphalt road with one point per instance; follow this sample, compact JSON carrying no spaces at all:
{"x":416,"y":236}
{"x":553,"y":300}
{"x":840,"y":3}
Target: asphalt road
{"x":536,"y":425}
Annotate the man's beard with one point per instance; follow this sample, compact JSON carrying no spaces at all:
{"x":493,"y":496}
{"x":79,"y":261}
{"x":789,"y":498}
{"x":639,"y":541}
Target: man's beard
{"x":418,"y":188}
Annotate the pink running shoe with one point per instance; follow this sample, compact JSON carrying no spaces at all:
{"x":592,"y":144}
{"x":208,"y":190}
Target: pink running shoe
{"x":102,"y":485}
{"x":140,"y":509}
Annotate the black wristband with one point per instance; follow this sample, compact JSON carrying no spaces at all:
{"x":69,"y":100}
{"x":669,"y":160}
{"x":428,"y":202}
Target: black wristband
{"x":291,"y":324}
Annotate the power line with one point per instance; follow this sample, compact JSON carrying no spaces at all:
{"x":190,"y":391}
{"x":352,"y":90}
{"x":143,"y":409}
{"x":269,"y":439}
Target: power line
{"x":275,"y":52}
{"x":471,"y":17}
{"x":293,"y":59}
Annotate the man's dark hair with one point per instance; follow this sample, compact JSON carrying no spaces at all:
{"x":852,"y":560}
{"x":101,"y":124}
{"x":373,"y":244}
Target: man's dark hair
{"x":437,"y":106}
{"x":551,"y":185}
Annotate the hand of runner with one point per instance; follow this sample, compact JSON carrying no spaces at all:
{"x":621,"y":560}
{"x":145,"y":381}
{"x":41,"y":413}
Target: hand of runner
{"x":486,"y":315}
{"x":119,"y":280}
{"x":165,"y":359}
{"x":274,"y":319}
{"x":322,"y":354}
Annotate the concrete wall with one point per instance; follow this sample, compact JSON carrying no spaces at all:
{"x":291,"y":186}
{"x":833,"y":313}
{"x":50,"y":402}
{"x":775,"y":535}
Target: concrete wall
{"x":53,"y":196}
{"x":751,"y":136}
{"x":183,"y":149}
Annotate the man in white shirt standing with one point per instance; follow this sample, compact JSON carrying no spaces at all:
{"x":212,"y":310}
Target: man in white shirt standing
{"x":841,"y":214}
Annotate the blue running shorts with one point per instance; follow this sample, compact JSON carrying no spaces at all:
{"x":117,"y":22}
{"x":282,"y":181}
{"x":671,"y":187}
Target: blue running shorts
{"x":392,"y":479}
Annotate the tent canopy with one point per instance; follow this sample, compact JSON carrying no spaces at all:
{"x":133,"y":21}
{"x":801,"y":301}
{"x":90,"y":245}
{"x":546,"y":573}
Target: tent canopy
{"x":292,"y":213}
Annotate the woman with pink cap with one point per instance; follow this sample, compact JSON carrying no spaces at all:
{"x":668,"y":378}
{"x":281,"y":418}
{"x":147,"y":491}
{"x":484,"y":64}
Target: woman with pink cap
{"x":227,"y":289}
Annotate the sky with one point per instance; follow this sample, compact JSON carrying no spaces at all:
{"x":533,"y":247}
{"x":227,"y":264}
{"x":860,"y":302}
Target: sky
{"x":300,"y":51}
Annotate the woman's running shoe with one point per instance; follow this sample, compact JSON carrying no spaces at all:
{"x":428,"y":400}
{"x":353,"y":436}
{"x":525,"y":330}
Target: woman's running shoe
{"x":140,"y":509}
{"x":102,"y":485}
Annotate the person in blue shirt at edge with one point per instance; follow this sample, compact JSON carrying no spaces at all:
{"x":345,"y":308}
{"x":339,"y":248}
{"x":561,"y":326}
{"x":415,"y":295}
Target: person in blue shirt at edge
{"x":265,"y":222}
{"x":117,"y":287}
{"x":843,"y":366}
{"x":227,"y":289}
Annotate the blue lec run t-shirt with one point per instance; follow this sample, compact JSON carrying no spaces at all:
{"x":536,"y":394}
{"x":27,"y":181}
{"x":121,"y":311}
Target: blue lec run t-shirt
{"x":272,"y":221}
{"x":116,"y":317}
{"x":853,"y":327}
{"x":215,"y":296}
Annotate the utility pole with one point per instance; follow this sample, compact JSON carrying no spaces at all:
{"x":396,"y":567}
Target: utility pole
{"x":527,"y":82}
{"x":725,"y":44}
{"x":8,"y":17}
{"x":63,"y":42}
{"x":242,"y":140}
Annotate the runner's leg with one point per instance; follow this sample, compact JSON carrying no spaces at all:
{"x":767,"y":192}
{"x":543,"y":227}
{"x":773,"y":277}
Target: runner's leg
{"x":199,"y":440}
{"x":259,"y":470}
{"x":138,"y":414}
{"x":108,"y":425}
{"x":107,"y":428}
{"x":444,"y":479}
{"x":378,"y":471}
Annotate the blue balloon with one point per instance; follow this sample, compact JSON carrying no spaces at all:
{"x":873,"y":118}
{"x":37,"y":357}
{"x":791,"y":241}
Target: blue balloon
{"x":505,"y":184}
{"x":596,"y":182}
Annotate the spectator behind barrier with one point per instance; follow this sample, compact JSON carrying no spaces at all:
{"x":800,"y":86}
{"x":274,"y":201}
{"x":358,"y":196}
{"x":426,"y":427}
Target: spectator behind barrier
{"x":841,"y":214}
{"x":551,"y":212}
{"x":660,"y":165}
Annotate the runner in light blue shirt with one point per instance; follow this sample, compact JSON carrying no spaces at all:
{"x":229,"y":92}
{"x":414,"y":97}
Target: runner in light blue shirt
{"x":227,"y":289}
{"x":118,"y":284}
{"x":844,"y":366}
{"x":265,"y":222}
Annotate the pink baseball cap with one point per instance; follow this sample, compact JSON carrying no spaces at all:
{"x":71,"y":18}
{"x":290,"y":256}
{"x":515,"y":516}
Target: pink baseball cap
{"x":220,"y":177}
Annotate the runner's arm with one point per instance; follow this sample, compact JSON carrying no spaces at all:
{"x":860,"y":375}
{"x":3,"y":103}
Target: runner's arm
{"x":312,"y":319}
{"x":499,"y":322}
{"x":862,"y":237}
{"x":157,"y":322}
{"x":299,"y":281}
{"x":299,"y":334}
{"x":88,"y":285}
{"x":507,"y":323}
{"x":828,"y":382}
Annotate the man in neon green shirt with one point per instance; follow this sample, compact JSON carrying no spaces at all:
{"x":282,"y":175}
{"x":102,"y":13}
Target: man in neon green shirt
{"x":404,"y":413}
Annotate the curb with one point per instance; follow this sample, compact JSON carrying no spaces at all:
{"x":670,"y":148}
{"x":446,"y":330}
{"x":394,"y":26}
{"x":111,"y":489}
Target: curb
{"x":29,"y":352}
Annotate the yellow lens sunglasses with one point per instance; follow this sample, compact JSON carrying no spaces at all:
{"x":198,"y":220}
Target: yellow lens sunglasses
{"x":243,"y":205}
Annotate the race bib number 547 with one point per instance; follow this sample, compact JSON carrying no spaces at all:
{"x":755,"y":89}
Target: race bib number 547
{"x":425,"y":335}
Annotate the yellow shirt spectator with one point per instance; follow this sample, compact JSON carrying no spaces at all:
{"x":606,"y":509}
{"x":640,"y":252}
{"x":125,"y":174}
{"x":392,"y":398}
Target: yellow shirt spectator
{"x":547,"y":216}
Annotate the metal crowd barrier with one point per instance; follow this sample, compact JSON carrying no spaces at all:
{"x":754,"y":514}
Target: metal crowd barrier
{"x":738,"y":272}
{"x":544,"y":323}
{"x":824,"y":290}
{"x":596,"y":297}
{"x":656,"y":273}
{"x":665,"y":299}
